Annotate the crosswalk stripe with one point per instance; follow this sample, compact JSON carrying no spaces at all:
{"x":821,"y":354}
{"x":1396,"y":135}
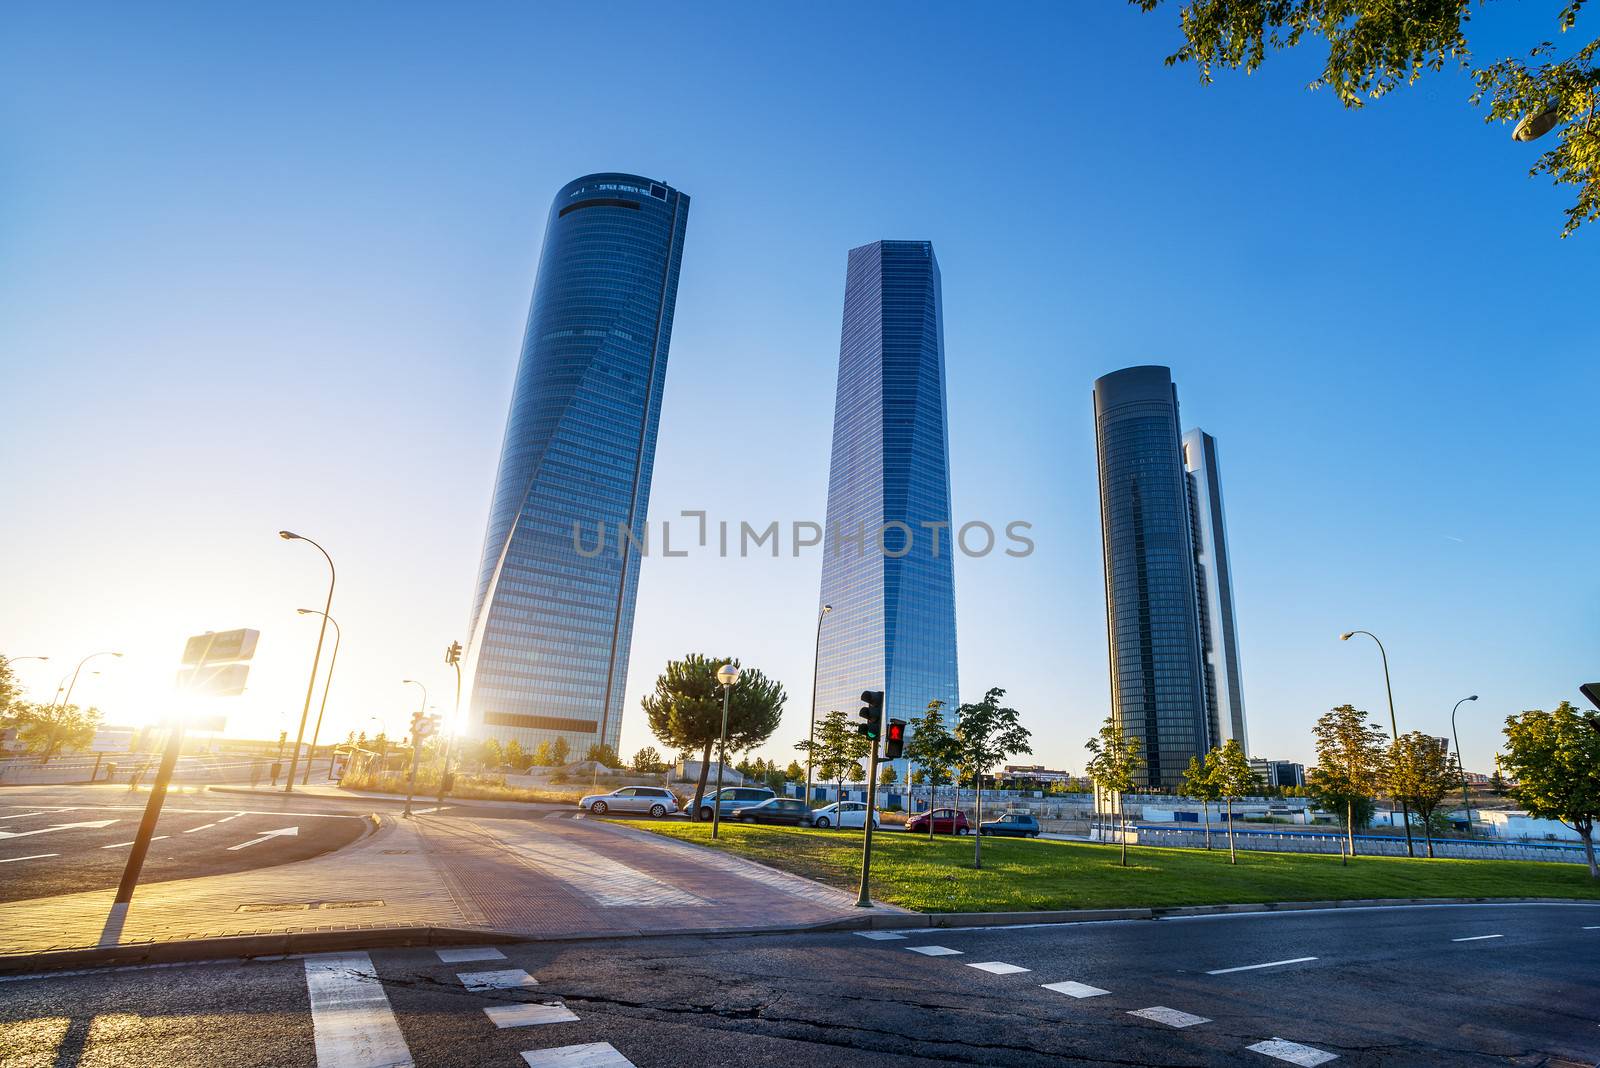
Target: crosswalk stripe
{"x":1170,"y":1017}
{"x":508,"y":979}
{"x":998,"y":967}
{"x":462,"y":956}
{"x":935,"y":951}
{"x":528,"y":1014}
{"x":588,"y":1055}
{"x":351,"y":1019}
{"x":1293,"y":1052}
{"x":1076,"y":990}
{"x":880,"y":936}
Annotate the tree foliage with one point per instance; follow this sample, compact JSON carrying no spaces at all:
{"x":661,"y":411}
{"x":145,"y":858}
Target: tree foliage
{"x":986,"y":733}
{"x":10,"y":689}
{"x":1113,"y":758}
{"x":1420,"y":773}
{"x":1199,"y":784}
{"x":1232,"y":778}
{"x":932,"y":751}
{"x":836,"y":751}
{"x":647,"y":761}
{"x":1554,"y":758}
{"x":602,"y":753}
{"x":1377,"y":46}
{"x":1350,"y":763}
{"x":51,"y":729}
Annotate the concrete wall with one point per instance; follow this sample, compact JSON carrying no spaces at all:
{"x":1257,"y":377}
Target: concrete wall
{"x":1370,"y":845}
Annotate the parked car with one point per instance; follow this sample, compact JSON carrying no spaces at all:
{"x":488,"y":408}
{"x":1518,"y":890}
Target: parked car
{"x":1011,"y":824}
{"x":843,"y":814}
{"x":945,"y":821}
{"x":787,"y":810}
{"x":733,"y":797}
{"x":656,"y":800}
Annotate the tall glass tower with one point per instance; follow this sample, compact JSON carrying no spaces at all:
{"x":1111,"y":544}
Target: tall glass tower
{"x":1153,"y":621}
{"x":893,"y":624}
{"x":552,"y":618}
{"x":1219,"y":636}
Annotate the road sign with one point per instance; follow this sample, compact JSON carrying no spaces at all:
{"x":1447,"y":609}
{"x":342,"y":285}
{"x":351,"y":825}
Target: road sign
{"x":214,"y":680}
{"x":221,"y":647}
{"x":111,"y":742}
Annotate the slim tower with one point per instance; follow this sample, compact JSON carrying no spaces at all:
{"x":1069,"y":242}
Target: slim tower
{"x":893,"y":624}
{"x":552,"y":617}
{"x":1219,"y":638}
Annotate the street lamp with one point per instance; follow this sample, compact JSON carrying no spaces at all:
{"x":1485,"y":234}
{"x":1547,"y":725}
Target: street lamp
{"x":416,"y":743}
{"x":1394,"y":727}
{"x":727,"y":674}
{"x":327,"y":685}
{"x":16,"y":659}
{"x":316,"y":659}
{"x":1461,"y":765}
{"x":816,"y":663}
{"x":68,"y":699}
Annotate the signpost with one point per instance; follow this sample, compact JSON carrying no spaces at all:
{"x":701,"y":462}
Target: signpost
{"x":108,"y":742}
{"x":209,"y":656}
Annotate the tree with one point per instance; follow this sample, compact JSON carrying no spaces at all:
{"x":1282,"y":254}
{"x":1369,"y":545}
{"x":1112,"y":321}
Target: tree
{"x":1350,"y":764}
{"x":519,"y":758}
{"x":49,"y":729}
{"x":685,"y":711}
{"x":886,"y":777}
{"x":560,"y":750}
{"x":932,"y":750}
{"x":1113,"y":758}
{"x":490,"y":754}
{"x":601,"y":753}
{"x":1497,"y":782}
{"x":985,"y":734}
{"x":647,"y":761}
{"x":794,"y":773}
{"x":1376,"y":46}
{"x":1420,"y":773}
{"x":1232,"y":778}
{"x":10,"y":689}
{"x":836,"y":751}
{"x":1199,"y":784}
{"x":1554,"y":758}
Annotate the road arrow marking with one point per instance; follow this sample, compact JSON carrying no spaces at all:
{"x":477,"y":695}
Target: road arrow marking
{"x":57,"y":827}
{"x":264,"y":837}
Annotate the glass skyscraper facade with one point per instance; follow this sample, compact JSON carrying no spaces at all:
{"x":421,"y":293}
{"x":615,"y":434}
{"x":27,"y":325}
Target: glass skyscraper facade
{"x":893,"y":624}
{"x":1219,"y":637}
{"x":552,"y":618}
{"x":1153,"y":616}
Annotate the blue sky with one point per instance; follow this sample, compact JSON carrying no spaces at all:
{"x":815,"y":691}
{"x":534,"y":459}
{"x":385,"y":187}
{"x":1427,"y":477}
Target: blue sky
{"x":269,"y":267}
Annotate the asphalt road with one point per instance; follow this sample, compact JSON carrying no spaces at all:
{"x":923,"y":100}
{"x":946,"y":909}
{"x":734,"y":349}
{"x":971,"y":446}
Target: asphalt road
{"x":1380,"y":987}
{"x":60,"y":840}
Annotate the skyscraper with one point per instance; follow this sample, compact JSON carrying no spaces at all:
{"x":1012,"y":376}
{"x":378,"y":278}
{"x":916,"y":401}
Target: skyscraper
{"x":1158,"y":691}
{"x":552,"y":618}
{"x":893,"y":624}
{"x":1219,"y":637}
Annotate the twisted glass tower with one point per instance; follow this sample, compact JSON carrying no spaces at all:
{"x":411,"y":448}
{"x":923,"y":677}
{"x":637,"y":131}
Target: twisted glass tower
{"x":552,"y":617}
{"x":890,"y":582}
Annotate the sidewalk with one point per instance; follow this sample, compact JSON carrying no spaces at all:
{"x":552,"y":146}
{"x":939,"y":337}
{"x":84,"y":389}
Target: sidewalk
{"x":431,"y":879}
{"x":419,"y":803}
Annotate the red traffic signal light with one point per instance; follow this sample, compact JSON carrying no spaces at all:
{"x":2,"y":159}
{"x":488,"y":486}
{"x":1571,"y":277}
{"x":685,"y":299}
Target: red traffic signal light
{"x":895,"y":743}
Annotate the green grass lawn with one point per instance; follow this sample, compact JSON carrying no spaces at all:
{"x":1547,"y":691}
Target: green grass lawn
{"x":1020,"y":875}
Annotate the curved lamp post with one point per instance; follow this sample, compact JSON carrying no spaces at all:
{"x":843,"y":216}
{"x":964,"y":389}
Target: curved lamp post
{"x":316,"y":660}
{"x":816,"y":663}
{"x":1461,"y":765}
{"x":727,"y":675}
{"x":1394,"y":727}
{"x":416,"y":744}
{"x":333,"y":662}
{"x":65,"y":701}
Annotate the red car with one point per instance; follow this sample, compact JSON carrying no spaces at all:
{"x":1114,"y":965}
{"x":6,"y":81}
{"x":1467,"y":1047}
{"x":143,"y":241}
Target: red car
{"x":945,"y":821}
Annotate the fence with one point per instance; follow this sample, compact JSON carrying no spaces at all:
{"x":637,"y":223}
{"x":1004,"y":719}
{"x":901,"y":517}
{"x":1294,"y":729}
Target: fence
{"x":1368,"y":844}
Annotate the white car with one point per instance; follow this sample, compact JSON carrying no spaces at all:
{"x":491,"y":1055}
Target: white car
{"x":843,"y":814}
{"x":655,"y":800}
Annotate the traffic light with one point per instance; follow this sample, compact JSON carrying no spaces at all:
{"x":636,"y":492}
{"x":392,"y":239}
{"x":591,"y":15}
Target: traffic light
{"x":452,"y":653}
{"x":896,"y":743}
{"x":871,"y":713}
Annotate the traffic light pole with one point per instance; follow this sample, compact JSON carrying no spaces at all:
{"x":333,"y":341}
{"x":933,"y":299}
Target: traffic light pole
{"x":864,"y":901}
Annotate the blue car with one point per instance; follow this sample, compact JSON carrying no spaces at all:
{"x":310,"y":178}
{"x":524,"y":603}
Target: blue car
{"x":1012,"y":825}
{"x":733,"y":797}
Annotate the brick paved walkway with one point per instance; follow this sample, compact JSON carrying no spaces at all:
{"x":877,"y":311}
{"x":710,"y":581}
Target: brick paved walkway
{"x":540,"y":878}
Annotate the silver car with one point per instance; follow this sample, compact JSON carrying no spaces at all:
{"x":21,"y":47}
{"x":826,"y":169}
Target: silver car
{"x":654,"y":800}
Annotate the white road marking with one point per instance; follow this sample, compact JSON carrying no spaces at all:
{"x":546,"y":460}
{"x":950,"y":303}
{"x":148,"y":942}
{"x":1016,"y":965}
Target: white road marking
{"x":119,"y":845}
{"x":462,"y":956}
{"x":935,"y":951}
{"x":527,"y":1015}
{"x":235,"y":816}
{"x":509,"y":979}
{"x":1253,"y":967}
{"x":1293,"y":1052}
{"x":588,"y":1055}
{"x":1476,"y":938}
{"x":202,"y":827}
{"x":1170,"y":1017}
{"x":607,"y":882}
{"x":994,"y":967}
{"x":266,"y":837}
{"x":58,"y":827}
{"x":1076,"y":990}
{"x":880,"y":936}
{"x":1595,"y":928}
{"x":42,"y":812}
{"x":351,"y":1019}
{"x":36,"y":856}
{"x":555,"y":816}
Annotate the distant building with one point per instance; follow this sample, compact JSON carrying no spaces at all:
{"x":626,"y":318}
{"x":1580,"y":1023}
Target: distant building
{"x":1278,"y":773}
{"x":1219,"y":637}
{"x":1036,"y":772}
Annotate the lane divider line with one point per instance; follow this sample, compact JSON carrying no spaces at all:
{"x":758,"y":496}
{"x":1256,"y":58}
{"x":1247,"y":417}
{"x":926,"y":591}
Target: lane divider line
{"x":36,"y":856}
{"x":1476,"y":938}
{"x":1253,"y":967}
{"x":119,"y":845}
{"x":202,"y":827}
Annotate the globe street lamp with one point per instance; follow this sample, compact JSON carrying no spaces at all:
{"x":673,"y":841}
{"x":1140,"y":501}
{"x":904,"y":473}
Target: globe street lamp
{"x":1405,"y":809}
{"x":316,"y":659}
{"x":327,"y":685}
{"x":416,"y":742}
{"x":816,"y":662}
{"x":728,"y":675}
{"x":1460,"y":764}
{"x":68,"y":699}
